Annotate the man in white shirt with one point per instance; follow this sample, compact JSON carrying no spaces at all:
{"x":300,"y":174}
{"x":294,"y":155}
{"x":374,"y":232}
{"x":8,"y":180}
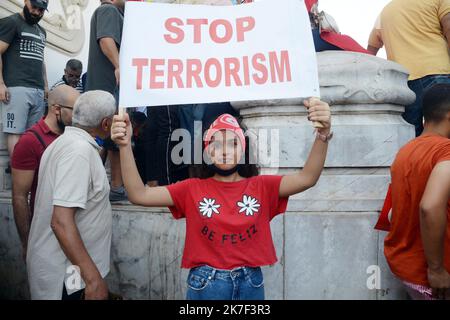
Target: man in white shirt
{"x":72,"y":224}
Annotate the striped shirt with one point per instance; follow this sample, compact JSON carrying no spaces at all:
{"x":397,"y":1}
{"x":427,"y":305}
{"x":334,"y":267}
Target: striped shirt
{"x":79,"y":86}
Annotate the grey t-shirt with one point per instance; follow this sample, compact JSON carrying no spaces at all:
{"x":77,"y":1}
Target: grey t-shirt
{"x":23,"y":60}
{"x":106,"y":22}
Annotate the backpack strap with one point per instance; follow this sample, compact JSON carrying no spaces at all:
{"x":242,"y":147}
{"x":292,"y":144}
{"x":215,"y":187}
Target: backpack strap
{"x":38,"y":136}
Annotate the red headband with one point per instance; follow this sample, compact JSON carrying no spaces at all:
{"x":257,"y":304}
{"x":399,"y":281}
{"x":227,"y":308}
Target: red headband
{"x":225,"y":122}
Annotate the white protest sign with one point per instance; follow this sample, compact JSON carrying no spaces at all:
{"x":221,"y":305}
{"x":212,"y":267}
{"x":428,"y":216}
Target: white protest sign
{"x":181,"y":54}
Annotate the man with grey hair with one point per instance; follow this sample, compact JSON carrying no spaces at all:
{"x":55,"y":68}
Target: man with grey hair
{"x":69,"y":245}
{"x":104,"y":72}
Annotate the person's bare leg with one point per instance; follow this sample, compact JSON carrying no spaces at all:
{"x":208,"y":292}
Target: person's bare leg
{"x":116,"y":174}
{"x":11,"y":140}
{"x":117,"y":192}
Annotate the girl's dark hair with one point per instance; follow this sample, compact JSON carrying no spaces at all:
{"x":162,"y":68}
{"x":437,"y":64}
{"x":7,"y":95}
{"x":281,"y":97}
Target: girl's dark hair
{"x":245,"y":170}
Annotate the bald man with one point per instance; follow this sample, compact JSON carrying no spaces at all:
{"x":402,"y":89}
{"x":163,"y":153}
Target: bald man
{"x":28,"y":151}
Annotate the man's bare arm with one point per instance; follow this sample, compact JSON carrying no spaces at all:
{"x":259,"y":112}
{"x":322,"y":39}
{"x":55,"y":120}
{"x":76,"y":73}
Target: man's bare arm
{"x":22,"y":181}
{"x":65,"y":229}
{"x":375,"y":41}
{"x":44,"y":75}
{"x":109,"y":49}
{"x":445,"y":22}
{"x":4,"y":94}
{"x":433,"y":224}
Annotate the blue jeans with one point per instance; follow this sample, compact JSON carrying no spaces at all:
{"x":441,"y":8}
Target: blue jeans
{"x":207,"y":283}
{"x":413,"y":113}
{"x":321,"y":45}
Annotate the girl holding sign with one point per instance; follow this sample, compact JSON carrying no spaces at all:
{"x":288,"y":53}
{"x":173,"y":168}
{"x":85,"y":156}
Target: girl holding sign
{"x":227,"y":215}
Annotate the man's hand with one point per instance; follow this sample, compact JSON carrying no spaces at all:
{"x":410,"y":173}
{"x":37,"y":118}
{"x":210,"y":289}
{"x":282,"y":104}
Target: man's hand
{"x":121,"y":130}
{"x":319,"y":111}
{"x":440,"y":283}
{"x":4,"y":93}
{"x":96,"y":290}
{"x":373,"y":50}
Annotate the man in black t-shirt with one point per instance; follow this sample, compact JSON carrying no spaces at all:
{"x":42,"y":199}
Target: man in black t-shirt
{"x":23,"y":80}
{"x":103,"y":72}
{"x":104,"y":46}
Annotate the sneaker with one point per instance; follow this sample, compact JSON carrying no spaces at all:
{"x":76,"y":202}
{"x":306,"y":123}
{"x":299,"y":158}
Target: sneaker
{"x":118,"y":194}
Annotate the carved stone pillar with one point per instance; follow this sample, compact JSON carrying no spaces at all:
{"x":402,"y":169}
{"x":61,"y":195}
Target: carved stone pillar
{"x":328,"y":237}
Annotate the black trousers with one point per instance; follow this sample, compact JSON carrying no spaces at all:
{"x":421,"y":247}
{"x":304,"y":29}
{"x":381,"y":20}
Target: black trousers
{"x":157,"y":145}
{"x":74,"y":296}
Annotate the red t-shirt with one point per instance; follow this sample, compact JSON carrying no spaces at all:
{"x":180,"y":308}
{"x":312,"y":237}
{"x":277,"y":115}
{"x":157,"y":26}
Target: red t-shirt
{"x":228,"y":223}
{"x":28,"y":152}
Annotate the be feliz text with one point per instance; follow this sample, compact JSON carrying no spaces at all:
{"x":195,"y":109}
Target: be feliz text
{"x":233,"y":238}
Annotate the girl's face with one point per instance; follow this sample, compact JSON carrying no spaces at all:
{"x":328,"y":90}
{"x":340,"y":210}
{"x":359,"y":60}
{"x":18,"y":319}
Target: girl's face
{"x":225,"y":149}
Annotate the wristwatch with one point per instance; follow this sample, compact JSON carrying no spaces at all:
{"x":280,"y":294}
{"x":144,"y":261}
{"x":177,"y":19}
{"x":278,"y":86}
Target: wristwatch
{"x":323,"y":137}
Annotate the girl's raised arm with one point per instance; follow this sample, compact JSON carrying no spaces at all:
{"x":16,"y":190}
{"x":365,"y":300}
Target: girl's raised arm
{"x":138,"y":193}
{"x":291,"y":184}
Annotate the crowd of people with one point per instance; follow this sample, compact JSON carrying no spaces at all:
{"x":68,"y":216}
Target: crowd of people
{"x":60,"y":139}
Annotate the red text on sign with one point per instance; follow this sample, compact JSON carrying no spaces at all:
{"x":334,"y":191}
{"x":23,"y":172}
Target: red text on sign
{"x":237,"y":29}
{"x":258,"y":69}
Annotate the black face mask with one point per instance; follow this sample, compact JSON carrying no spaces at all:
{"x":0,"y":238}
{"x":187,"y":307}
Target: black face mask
{"x":30,"y":18}
{"x":60,"y":123}
{"x":224,"y":173}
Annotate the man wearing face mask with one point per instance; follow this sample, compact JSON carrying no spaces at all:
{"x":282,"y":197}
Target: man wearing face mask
{"x":104,"y":72}
{"x":28,"y":152}
{"x":72,"y":224}
{"x":23,"y":80}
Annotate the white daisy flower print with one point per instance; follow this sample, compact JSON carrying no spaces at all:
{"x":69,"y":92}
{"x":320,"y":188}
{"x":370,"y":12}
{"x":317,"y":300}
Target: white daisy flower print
{"x":249,"y":205}
{"x":207,"y":207}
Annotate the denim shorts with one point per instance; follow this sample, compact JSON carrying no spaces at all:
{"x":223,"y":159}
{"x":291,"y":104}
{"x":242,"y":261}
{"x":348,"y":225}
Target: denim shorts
{"x":207,"y":283}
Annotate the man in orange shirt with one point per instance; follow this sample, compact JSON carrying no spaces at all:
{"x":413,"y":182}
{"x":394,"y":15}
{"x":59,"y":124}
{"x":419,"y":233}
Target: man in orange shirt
{"x":417,"y":247}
